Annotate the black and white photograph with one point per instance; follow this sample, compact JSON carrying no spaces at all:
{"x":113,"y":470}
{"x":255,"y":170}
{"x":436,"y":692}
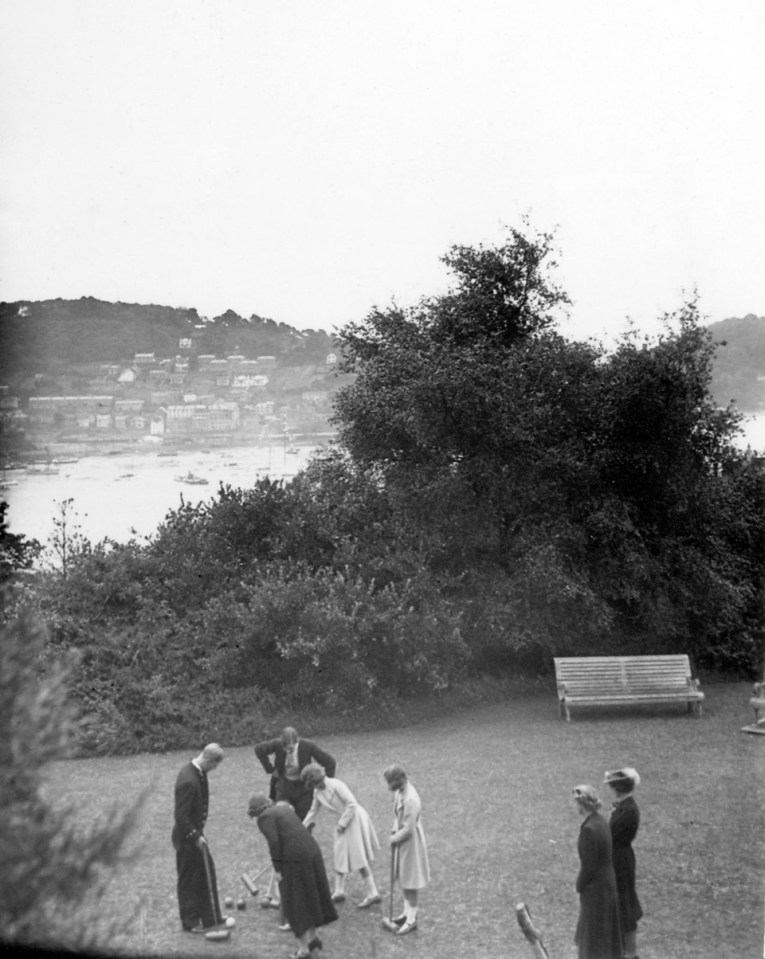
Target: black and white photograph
{"x":382,"y":491}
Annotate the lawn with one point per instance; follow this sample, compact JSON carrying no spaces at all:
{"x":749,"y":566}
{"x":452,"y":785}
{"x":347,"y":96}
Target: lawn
{"x":501,"y":826}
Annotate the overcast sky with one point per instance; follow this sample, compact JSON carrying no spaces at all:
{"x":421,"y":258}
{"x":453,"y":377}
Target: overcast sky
{"x":308,"y":160}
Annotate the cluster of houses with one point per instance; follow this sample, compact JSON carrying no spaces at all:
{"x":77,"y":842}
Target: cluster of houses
{"x":178,"y":396}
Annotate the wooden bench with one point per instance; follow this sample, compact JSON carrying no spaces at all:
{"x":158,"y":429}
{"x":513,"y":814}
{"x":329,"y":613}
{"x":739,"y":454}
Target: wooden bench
{"x":757,"y":702}
{"x":620,"y":680}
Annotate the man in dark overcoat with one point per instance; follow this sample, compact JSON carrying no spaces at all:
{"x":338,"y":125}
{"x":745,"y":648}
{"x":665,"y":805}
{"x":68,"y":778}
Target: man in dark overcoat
{"x":197,"y":899}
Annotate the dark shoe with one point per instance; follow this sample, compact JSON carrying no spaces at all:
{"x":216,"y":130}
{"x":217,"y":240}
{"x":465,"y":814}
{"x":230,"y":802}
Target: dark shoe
{"x":399,"y":920}
{"x":314,"y":944}
{"x":197,"y":928}
{"x":338,"y":897}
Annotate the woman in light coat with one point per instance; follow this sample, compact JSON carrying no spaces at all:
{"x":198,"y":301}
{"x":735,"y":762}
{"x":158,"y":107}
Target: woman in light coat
{"x":355,"y":837}
{"x":408,"y":846}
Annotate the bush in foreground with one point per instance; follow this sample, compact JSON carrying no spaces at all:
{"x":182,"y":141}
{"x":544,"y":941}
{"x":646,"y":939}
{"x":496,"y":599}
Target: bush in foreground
{"x":54,"y":870}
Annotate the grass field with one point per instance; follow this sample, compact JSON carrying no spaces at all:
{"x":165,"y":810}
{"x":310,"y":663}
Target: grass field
{"x":501,"y":826}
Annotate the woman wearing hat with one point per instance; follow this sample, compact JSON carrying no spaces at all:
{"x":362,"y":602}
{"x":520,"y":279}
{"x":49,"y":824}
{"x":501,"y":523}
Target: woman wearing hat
{"x":355,"y":837}
{"x":598,"y":931}
{"x":624,"y":822}
{"x":298,"y":864}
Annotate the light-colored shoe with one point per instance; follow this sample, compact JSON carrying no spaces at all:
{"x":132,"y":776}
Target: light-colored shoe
{"x":407,"y":927}
{"x":284,"y":927}
{"x":368,"y":901}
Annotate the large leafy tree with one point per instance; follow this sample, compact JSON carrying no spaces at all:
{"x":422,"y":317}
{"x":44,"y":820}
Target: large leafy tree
{"x":589,"y":499}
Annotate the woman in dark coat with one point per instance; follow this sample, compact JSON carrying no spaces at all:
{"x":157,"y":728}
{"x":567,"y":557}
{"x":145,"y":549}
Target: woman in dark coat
{"x":624,"y":822}
{"x":299,"y":867}
{"x":598,"y":932}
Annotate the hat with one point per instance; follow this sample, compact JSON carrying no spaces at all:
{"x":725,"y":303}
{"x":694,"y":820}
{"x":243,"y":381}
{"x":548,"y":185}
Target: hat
{"x":587,"y":797}
{"x":258,"y":802}
{"x":622,"y":776}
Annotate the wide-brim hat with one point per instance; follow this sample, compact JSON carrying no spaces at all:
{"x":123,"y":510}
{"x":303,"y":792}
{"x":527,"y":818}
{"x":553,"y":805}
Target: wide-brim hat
{"x":625,"y":775}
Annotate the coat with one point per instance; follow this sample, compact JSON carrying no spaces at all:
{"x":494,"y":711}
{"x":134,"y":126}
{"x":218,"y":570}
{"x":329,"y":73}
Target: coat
{"x":411,"y":850}
{"x":624,"y":823}
{"x":192,"y":798}
{"x":304,"y":887}
{"x":355,"y":847}
{"x":598,"y":931}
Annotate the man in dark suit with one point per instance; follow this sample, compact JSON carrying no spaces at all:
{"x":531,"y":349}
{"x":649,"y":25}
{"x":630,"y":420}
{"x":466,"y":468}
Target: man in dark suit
{"x":197,"y":899}
{"x":291,"y":755}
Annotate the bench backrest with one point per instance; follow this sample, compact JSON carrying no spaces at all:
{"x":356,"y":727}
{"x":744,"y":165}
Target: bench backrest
{"x":628,"y":673}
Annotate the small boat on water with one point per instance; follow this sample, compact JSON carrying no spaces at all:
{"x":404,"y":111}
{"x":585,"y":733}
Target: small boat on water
{"x":192,"y":479}
{"x":43,"y":470}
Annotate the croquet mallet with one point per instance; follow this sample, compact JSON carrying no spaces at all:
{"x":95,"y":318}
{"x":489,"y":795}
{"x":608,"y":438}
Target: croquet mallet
{"x":387,"y":921}
{"x":250,"y":882}
{"x":214,"y":935}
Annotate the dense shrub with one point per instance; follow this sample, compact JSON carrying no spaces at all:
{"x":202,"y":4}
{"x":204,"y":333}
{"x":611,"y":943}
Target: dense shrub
{"x":54,"y":869}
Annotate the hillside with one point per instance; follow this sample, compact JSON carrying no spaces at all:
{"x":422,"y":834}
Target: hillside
{"x":739,"y":367}
{"x":47,"y":336}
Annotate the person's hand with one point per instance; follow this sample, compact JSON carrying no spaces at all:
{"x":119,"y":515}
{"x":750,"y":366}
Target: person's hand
{"x":393,"y":842}
{"x":201,"y":841}
{"x":277,"y":876}
{"x":340,"y":830}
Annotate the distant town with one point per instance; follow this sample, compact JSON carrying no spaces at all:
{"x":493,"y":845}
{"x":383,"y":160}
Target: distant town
{"x":169,"y":402}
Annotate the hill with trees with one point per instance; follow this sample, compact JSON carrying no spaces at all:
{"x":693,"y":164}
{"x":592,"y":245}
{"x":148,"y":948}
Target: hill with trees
{"x":739,"y":364}
{"x":48,"y":336}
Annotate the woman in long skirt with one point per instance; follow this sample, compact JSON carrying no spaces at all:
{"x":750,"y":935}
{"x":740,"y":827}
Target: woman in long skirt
{"x":624,"y":823}
{"x":299,"y":867}
{"x":355,"y":838}
{"x":599,"y":931}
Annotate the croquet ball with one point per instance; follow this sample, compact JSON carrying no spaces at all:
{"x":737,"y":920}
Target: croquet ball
{"x":229,"y":902}
{"x":230,"y":922}
{"x":241,"y":904}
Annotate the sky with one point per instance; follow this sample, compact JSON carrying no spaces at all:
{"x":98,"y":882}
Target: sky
{"x":307,"y":161}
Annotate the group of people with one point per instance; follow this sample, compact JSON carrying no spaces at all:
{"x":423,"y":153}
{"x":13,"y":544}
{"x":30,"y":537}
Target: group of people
{"x":302,"y":783}
{"x":609,"y":908}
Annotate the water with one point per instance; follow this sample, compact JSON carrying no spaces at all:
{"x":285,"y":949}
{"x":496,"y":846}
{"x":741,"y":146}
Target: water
{"x":130,"y":494}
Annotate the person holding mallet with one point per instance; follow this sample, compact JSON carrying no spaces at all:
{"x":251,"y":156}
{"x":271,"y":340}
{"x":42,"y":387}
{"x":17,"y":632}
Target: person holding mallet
{"x":409,"y":850}
{"x":197,"y":886}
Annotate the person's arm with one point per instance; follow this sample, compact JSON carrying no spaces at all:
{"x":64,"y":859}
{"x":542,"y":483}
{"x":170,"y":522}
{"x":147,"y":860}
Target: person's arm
{"x":264,"y":751}
{"x":267,"y":824}
{"x":324,"y":759}
{"x":349,"y":801}
{"x":588,"y":859}
{"x":407,"y":822}
{"x":185,"y":800}
{"x":313,"y":812}
{"x":624,"y":826}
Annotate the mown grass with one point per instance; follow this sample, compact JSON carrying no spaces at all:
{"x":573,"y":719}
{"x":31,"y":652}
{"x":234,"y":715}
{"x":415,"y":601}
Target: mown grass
{"x":496,"y":787}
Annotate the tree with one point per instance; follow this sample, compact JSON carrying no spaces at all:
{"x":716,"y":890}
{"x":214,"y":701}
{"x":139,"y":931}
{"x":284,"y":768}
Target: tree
{"x":54,"y":869}
{"x":588,"y":500}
